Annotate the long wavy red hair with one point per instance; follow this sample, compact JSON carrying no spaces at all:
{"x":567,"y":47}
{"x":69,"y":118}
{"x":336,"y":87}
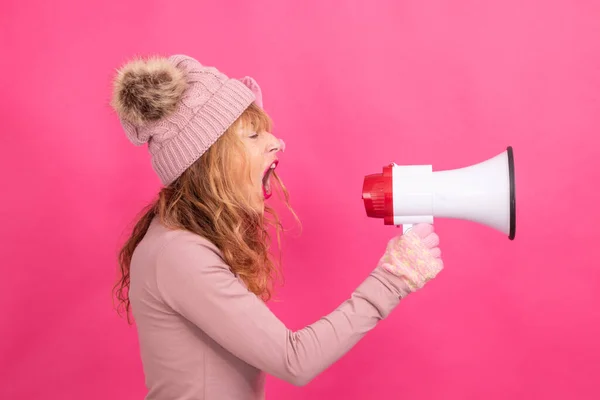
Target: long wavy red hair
{"x":206,"y":200}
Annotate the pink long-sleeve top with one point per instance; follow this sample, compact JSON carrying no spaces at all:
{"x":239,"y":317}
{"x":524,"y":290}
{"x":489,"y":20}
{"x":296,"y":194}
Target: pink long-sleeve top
{"x":204,"y":336}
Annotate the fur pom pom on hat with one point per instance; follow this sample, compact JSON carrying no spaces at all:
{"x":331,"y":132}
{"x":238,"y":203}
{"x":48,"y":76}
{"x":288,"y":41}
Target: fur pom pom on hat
{"x":147,"y":90}
{"x":178,"y":107}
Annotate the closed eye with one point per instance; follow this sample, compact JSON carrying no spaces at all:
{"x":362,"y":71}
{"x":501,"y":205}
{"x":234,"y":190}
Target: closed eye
{"x":254,"y":136}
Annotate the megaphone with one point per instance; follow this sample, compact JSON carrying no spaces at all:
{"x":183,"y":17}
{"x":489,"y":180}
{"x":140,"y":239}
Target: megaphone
{"x":409,"y":194}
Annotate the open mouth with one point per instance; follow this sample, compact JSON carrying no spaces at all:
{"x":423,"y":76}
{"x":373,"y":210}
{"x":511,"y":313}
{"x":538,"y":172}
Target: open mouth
{"x":266,"y":181}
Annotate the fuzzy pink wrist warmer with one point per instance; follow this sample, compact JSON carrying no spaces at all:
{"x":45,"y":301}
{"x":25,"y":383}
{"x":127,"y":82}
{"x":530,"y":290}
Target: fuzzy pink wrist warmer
{"x":414,"y":256}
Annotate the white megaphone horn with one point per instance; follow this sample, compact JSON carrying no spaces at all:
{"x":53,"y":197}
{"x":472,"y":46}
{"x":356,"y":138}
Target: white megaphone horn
{"x":410,"y":194}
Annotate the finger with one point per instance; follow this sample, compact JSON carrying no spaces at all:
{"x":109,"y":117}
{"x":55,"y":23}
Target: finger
{"x":436,"y":252}
{"x":432,"y":240}
{"x":422,"y":230}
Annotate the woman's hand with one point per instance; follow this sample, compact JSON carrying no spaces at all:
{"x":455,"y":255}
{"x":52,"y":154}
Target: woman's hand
{"x":414,"y":256}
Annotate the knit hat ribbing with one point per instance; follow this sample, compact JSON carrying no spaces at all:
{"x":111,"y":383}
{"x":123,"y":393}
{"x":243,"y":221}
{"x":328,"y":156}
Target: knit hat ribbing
{"x":179,"y":108}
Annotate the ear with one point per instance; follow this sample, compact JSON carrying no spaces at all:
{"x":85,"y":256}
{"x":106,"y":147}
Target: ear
{"x":253,"y":85}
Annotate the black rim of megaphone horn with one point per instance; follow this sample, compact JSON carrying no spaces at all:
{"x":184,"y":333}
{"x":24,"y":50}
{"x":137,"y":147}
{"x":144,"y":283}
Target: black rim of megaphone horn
{"x":513,"y":202}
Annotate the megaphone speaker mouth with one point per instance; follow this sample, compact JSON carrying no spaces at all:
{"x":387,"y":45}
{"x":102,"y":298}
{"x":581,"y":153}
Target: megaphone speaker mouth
{"x":410,"y":194}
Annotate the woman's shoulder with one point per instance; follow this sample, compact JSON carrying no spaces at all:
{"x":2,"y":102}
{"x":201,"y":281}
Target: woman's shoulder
{"x":178,"y":255}
{"x":166,"y":257}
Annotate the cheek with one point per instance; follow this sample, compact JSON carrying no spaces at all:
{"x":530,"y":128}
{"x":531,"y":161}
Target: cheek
{"x":239,"y":164}
{"x":252,"y":163}
{"x":257,"y":169}
{"x":255,"y":162}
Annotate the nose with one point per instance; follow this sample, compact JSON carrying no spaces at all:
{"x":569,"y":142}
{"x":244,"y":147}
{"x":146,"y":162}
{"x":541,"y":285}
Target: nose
{"x":275,"y":144}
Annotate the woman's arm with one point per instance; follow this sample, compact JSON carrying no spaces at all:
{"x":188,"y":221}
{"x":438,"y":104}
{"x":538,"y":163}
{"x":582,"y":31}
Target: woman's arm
{"x":194,"y":281}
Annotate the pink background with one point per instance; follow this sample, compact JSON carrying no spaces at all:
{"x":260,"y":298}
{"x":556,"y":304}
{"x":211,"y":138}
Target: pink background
{"x":505,"y":320}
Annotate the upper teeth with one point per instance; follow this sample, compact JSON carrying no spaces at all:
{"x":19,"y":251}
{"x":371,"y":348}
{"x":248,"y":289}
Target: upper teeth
{"x":273,"y":166}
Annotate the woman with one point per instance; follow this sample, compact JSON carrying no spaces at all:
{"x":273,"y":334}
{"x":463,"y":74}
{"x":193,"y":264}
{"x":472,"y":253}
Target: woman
{"x":196,"y":270}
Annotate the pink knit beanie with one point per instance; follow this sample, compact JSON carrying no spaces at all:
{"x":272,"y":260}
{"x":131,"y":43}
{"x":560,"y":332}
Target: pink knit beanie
{"x":179,"y":108}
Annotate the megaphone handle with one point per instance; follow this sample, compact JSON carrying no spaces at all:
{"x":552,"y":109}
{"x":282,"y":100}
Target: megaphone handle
{"x":406,"y":227}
